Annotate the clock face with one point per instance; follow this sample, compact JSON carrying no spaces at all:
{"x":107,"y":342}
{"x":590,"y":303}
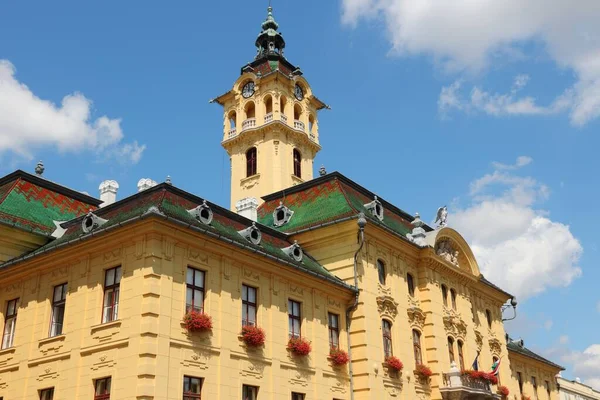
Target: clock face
{"x":298,"y":92}
{"x":248,"y":90}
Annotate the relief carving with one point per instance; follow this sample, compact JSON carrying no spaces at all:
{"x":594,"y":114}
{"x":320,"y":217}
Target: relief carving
{"x":197,"y":256}
{"x":168,"y":248}
{"x":195,"y":359}
{"x":103,"y":362}
{"x":140,"y":247}
{"x":446,"y":250}
{"x":479,"y":340}
{"x":112,"y":255}
{"x":252,"y":369}
{"x":454,"y":323}
{"x":416,"y":317}
{"x":495,"y":346}
{"x":250,"y":274}
{"x":297,"y":289}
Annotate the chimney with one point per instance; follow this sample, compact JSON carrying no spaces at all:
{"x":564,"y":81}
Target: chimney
{"x":248,"y":207}
{"x":108,"y":192}
{"x":145,"y":183}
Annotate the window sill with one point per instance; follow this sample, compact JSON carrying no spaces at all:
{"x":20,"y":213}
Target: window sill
{"x":57,"y":338}
{"x":106,"y":325}
{"x":296,"y":179}
{"x":8,"y":350}
{"x":250,"y":178}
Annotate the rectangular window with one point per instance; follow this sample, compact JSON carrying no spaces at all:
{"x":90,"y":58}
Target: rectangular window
{"x":535,"y":387}
{"x":520,"y":380}
{"x":59,"y":298}
{"x":248,"y":305}
{"x":334,"y":330}
{"x":548,"y":389}
{"x":112,"y":284}
{"x":411,"y":285}
{"x":194,"y":297}
{"x":451,"y":349}
{"x":192,"y":388}
{"x":297,"y":396}
{"x":386,"y":331}
{"x":249,"y":392}
{"x":417,"y":346}
{"x":47,"y":394}
{"x":294,"y":318}
{"x":102,"y":389}
{"x":461,"y":358}
{"x":10,"y":323}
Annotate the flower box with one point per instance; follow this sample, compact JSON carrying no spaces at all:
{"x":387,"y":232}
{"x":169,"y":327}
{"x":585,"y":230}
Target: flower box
{"x":197,"y":321}
{"x":338,"y":356}
{"x":503,"y":390}
{"x":253,"y":336}
{"x":394,"y":363}
{"x":482,"y":376}
{"x":423,"y":371}
{"x":299,"y":346}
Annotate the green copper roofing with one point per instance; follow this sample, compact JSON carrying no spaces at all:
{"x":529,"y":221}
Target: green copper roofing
{"x":174,"y":204}
{"x":329,"y":198}
{"x":518,"y":348}
{"x":33,"y":204}
{"x":269,"y":40}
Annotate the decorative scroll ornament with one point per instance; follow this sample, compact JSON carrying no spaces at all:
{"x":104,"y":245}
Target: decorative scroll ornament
{"x":479,"y":340}
{"x":416,"y":317}
{"x":495,"y":346}
{"x":445,"y":250}
{"x":454,"y":324}
{"x":387,"y":306}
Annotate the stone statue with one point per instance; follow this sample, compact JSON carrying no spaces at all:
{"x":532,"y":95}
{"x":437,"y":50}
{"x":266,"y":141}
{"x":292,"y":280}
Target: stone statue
{"x":441,"y":217}
{"x":445,"y":250}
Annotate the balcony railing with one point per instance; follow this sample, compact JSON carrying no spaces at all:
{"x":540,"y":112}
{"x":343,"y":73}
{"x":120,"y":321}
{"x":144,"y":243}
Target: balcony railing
{"x":232,"y":132}
{"x":268,"y":117}
{"x":312,"y":136}
{"x":469,"y":382}
{"x":457,"y":385}
{"x":249,"y":123}
{"x":298,"y":125}
{"x":284,"y":118}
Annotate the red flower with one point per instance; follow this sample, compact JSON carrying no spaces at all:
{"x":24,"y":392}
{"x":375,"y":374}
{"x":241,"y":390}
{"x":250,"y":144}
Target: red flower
{"x":338,"y":356}
{"x":299,"y":346}
{"x":253,"y":336}
{"x":482,"y":376}
{"x":197,"y":321}
{"x":503,"y":390}
{"x":394,"y":363}
{"x":423,"y":371}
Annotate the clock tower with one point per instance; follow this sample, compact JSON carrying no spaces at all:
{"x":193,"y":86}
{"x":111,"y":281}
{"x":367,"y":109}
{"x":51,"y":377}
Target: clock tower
{"x":270,"y":123}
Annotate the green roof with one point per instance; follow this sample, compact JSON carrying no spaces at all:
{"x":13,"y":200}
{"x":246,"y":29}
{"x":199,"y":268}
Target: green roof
{"x":517,"y":347}
{"x":32,"y":203}
{"x":330,"y":198}
{"x":173,"y":204}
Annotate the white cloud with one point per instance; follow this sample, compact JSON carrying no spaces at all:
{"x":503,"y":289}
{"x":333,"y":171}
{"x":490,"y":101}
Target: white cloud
{"x":516,"y":244}
{"x":28,"y":122}
{"x":521,"y":162}
{"x":586,"y":363}
{"x":466,"y":35}
{"x":497,"y":104}
{"x":564,"y":339}
{"x":548,"y":324}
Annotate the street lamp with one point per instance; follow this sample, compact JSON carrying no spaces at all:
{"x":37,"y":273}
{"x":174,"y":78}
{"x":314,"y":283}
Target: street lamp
{"x":513,"y":304}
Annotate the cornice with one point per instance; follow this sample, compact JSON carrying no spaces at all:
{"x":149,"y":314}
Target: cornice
{"x":270,"y":127}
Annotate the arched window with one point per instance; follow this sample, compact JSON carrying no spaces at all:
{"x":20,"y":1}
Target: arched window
{"x":451,"y":349}
{"x":231,"y":118}
{"x":381,"y":271}
{"x":282,"y":108}
{"x":251,"y":162}
{"x":297,"y":163}
{"x":311,"y":124}
{"x":250,"y":111}
{"x":386,"y":331}
{"x":445,"y":295}
{"x":488,"y":316}
{"x":417,"y":346}
{"x":297,"y":112}
{"x":411,"y":285}
{"x":268,"y":104}
{"x":461,"y":357}
{"x":453,"y":297}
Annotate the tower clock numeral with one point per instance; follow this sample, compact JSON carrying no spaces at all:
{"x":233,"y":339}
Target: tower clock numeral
{"x":248,"y":90}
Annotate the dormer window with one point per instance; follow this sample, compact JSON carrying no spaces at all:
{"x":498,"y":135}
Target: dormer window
{"x":251,"y":234}
{"x":202,"y":213}
{"x":294,"y":251}
{"x":91,"y":221}
{"x":282,"y":215}
{"x":375,"y":208}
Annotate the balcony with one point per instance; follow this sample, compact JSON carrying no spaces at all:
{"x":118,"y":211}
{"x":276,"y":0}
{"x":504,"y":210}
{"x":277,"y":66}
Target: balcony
{"x":268,"y":117}
{"x":298,"y":125}
{"x":249,"y":123}
{"x":232,"y":133}
{"x":284,"y":118}
{"x":464,"y":387}
{"x":312,"y":136}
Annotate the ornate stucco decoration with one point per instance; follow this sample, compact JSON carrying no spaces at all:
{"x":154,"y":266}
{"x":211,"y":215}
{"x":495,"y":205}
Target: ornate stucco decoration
{"x":479,"y":340}
{"x":416,"y":317}
{"x":454,"y":323}
{"x":495,"y":346}
{"x":446,"y":250}
{"x":387,"y":306}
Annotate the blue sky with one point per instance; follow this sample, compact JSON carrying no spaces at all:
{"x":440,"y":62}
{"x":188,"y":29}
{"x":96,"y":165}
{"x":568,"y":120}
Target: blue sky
{"x":490,"y":110}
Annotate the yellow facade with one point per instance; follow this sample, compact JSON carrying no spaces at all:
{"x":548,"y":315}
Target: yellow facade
{"x":146,"y":350}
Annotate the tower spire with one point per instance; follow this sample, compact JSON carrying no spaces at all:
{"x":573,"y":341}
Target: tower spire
{"x":269,"y":40}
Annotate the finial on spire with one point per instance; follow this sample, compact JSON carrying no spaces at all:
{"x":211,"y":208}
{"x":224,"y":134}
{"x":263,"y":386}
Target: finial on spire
{"x":269,"y":41}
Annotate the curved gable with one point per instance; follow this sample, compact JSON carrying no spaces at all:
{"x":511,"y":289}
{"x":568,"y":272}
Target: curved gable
{"x":449,"y":245}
